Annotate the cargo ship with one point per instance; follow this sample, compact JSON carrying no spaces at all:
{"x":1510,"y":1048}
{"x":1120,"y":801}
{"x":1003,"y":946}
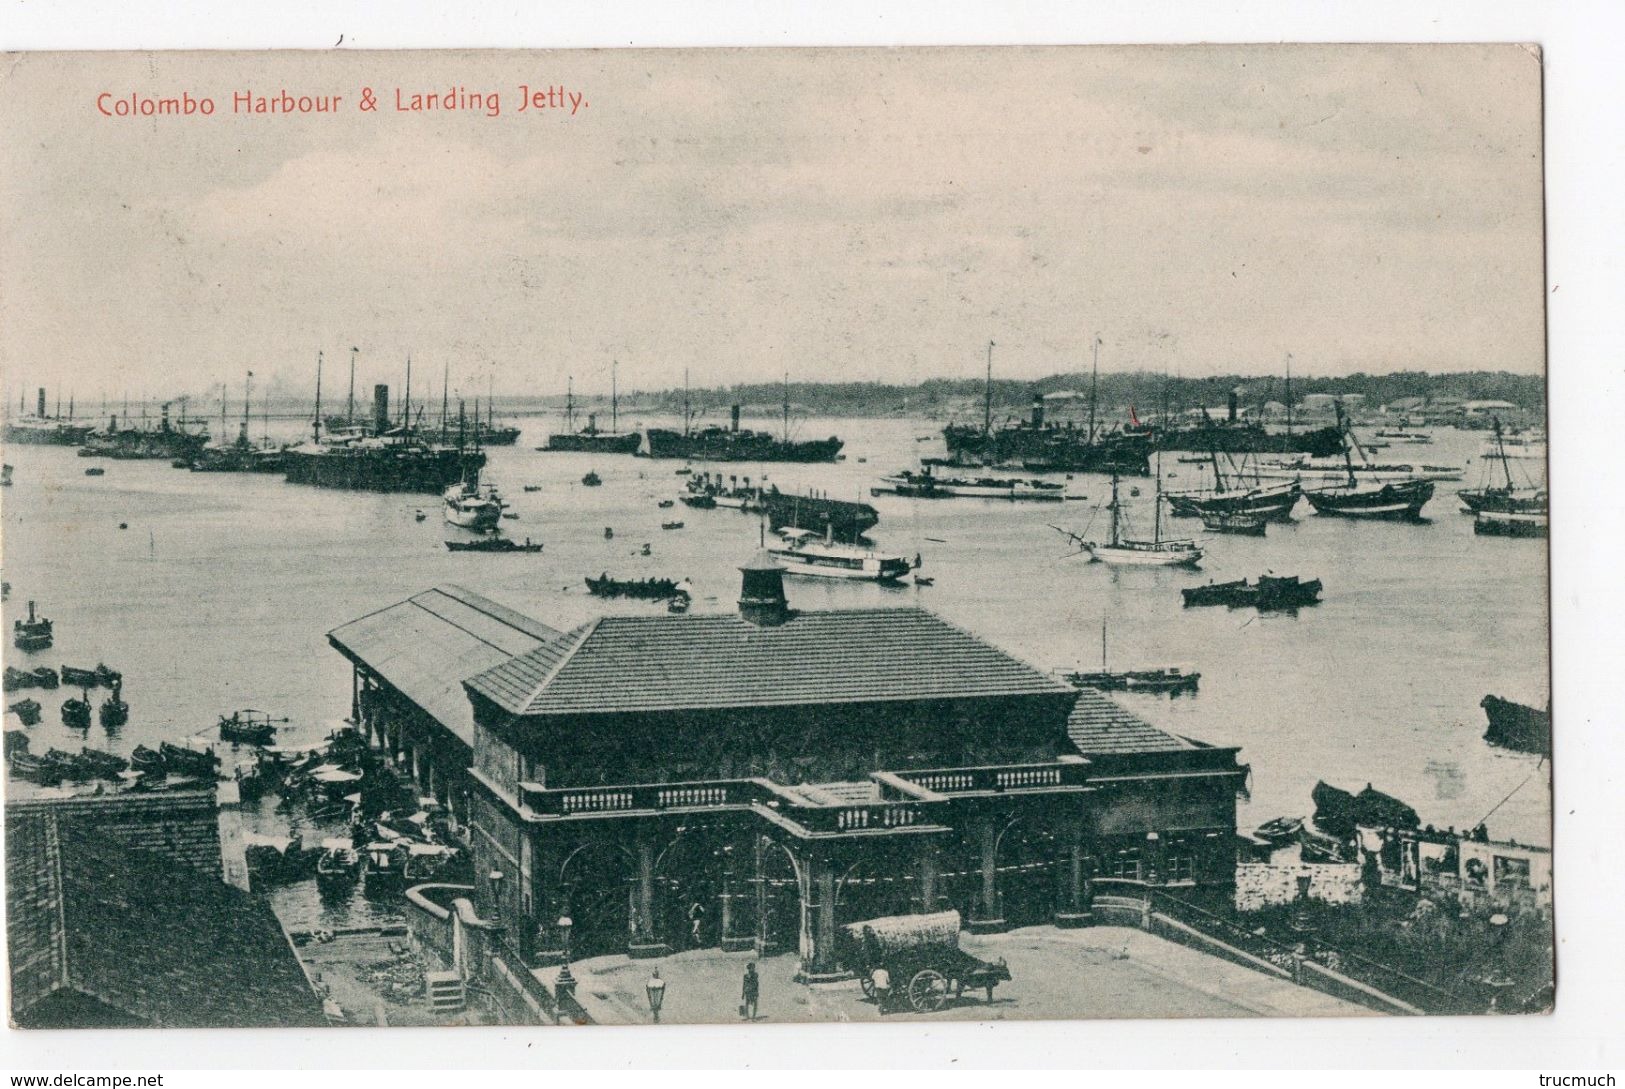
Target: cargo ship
{"x":384,"y":461}
{"x":838,"y":518}
{"x":43,"y":430}
{"x":590,"y":439}
{"x":733,"y":443}
{"x":1038,"y":445}
{"x":171,"y":441}
{"x":1236,"y":436}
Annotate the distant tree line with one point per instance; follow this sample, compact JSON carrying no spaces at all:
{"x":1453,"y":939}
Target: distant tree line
{"x":1151,"y":394}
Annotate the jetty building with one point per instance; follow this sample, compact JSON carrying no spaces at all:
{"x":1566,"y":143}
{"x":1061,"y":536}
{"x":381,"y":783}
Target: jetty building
{"x":756,"y":779}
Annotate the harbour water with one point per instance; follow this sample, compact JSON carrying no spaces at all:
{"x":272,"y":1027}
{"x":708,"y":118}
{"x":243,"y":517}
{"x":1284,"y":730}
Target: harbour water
{"x":219,"y":592}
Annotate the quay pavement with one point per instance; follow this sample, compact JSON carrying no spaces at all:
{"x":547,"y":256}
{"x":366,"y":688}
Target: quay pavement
{"x":1093,"y":972}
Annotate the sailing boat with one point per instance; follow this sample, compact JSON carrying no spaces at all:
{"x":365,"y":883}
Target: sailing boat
{"x":1395,"y":500}
{"x":1170,"y":679}
{"x":1273,"y":501}
{"x":1127,"y":551}
{"x":1505,"y":498}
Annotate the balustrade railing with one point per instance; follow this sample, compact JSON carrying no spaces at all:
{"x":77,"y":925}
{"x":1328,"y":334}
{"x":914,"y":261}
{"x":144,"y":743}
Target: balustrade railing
{"x":575,"y":801}
{"x":997,"y":779}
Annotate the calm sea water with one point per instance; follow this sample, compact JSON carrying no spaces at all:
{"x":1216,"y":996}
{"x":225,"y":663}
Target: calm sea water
{"x":219,"y":592}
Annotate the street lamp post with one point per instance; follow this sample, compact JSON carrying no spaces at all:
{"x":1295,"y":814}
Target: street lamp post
{"x":656,"y":989}
{"x":566,"y":984}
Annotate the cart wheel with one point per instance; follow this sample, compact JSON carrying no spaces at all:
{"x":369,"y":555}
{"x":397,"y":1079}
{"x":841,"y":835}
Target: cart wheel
{"x":928,"y":991}
{"x":868,"y":985}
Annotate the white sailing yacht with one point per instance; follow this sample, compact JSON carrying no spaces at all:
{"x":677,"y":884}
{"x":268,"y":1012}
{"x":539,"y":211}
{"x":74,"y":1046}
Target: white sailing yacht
{"x":1124,"y":550}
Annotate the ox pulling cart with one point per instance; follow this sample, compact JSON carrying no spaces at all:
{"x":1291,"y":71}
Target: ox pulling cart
{"x":922,"y":961}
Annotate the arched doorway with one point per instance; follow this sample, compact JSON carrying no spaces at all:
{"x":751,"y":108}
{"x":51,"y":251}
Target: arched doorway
{"x":598,"y":883}
{"x":1028,"y":854}
{"x":881,"y":882}
{"x":688,"y":887}
{"x":775,"y":901}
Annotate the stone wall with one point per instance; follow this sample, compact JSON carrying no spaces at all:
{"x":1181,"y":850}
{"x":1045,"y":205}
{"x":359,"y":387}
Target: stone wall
{"x":1268,"y":884}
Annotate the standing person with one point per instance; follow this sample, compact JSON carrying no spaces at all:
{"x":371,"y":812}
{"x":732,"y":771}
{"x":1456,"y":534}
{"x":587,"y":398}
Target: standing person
{"x":696,"y":923}
{"x":881,"y":979}
{"x":750,"y":992}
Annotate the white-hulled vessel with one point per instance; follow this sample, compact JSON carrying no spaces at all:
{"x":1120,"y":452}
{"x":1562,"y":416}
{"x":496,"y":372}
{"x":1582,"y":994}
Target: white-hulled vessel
{"x":1122,"y":550}
{"x":473,"y":506}
{"x":803,"y":552}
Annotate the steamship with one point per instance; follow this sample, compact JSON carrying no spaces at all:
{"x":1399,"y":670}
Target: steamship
{"x":590,"y":440}
{"x":734,"y":443}
{"x":1040,"y":446}
{"x":176,"y":442}
{"x":43,"y":430}
{"x":384,"y":461}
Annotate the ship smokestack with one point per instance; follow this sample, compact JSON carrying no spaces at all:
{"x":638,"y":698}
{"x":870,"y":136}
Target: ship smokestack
{"x":1038,"y":410}
{"x":761,"y":594}
{"x":1234,"y":402}
{"x":163,"y":417}
{"x":380,"y":408}
{"x":734,"y":415}
{"x":41,"y":410}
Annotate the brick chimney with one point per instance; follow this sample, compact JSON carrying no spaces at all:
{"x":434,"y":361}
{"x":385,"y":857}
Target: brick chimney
{"x":761,"y":593}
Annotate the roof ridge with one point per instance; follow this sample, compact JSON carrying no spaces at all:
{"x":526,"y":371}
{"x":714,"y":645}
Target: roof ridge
{"x":577,"y":636}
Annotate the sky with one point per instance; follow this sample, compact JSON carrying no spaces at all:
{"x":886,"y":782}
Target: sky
{"x":746,"y":214}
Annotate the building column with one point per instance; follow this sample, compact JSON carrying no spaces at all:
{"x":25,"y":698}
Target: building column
{"x":987,"y":918}
{"x":926,"y":901}
{"x":818,"y":964}
{"x":1073,"y":907}
{"x":730,"y":942}
{"x":760,"y":845}
{"x":646,"y":943}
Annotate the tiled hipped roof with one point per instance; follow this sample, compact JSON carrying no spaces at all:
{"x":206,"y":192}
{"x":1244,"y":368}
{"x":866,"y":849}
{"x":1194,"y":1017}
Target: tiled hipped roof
{"x":427,"y":645}
{"x":1097,"y":725}
{"x":623,"y":664}
{"x":136,"y":933}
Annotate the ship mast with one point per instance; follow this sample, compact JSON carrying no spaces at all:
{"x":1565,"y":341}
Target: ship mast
{"x":987,"y":409}
{"x":1348,"y":440}
{"x":570,"y":403}
{"x":406,"y":403}
{"x":316,"y":422}
{"x":349,"y":408}
{"x":1156,"y":514}
{"x":248,"y":394}
{"x":1501,"y":452}
{"x":490,"y":402}
{"x":786,"y":406}
{"x":614,"y":401}
{"x":1289,"y":393}
{"x":1094,"y":379}
{"x":686,"y":416}
{"x":1116,"y":508}
{"x":445,"y":400}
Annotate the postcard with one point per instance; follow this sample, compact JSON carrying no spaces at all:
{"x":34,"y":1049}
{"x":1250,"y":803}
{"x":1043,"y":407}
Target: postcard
{"x":741,"y":536}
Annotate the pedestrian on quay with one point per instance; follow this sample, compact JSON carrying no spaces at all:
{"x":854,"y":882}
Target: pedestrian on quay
{"x":750,"y":992}
{"x":881,"y":979}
